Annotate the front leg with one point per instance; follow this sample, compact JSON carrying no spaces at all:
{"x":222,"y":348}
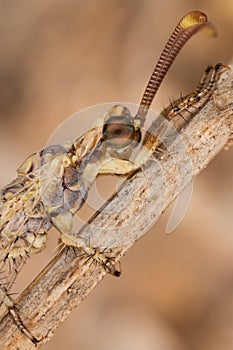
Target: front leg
{"x":62,"y":216}
{"x":117,"y":166}
{"x":199,"y":96}
{"x":63,"y":220}
{"x":184,"y":107}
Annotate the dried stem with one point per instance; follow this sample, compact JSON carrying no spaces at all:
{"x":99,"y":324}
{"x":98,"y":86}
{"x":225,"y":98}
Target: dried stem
{"x":69,"y":277}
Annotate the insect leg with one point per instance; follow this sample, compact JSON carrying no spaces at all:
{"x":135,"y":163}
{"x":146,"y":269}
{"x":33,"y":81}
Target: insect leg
{"x":15,"y":252}
{"x":181,"y":108}
{"x":101,"y":257}
{"x":9,"y":303}
{"x":92,"y":253}
{"x":199,"y":96}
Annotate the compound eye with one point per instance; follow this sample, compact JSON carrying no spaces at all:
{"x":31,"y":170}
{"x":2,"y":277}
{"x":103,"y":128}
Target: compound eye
{"x":118,"y":132}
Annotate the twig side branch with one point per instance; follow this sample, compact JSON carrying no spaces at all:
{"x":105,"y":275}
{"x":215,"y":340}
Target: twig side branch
{"x":69,"y":277}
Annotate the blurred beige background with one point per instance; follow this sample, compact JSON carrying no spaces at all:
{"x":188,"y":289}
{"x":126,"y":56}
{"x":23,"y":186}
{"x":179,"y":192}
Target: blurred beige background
{"x":57,"y":57}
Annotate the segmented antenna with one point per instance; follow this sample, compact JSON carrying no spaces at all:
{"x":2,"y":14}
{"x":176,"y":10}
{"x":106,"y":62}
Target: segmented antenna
{"x":190,"y":24}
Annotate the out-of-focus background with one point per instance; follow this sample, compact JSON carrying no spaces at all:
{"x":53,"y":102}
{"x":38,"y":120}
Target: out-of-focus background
{"x":57,"y":57}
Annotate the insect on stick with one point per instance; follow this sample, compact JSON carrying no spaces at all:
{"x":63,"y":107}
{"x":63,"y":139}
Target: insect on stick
{"x":53,"y":184}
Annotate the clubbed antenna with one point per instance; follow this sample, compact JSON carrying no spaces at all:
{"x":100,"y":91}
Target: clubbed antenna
{"x":191,"y":23}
